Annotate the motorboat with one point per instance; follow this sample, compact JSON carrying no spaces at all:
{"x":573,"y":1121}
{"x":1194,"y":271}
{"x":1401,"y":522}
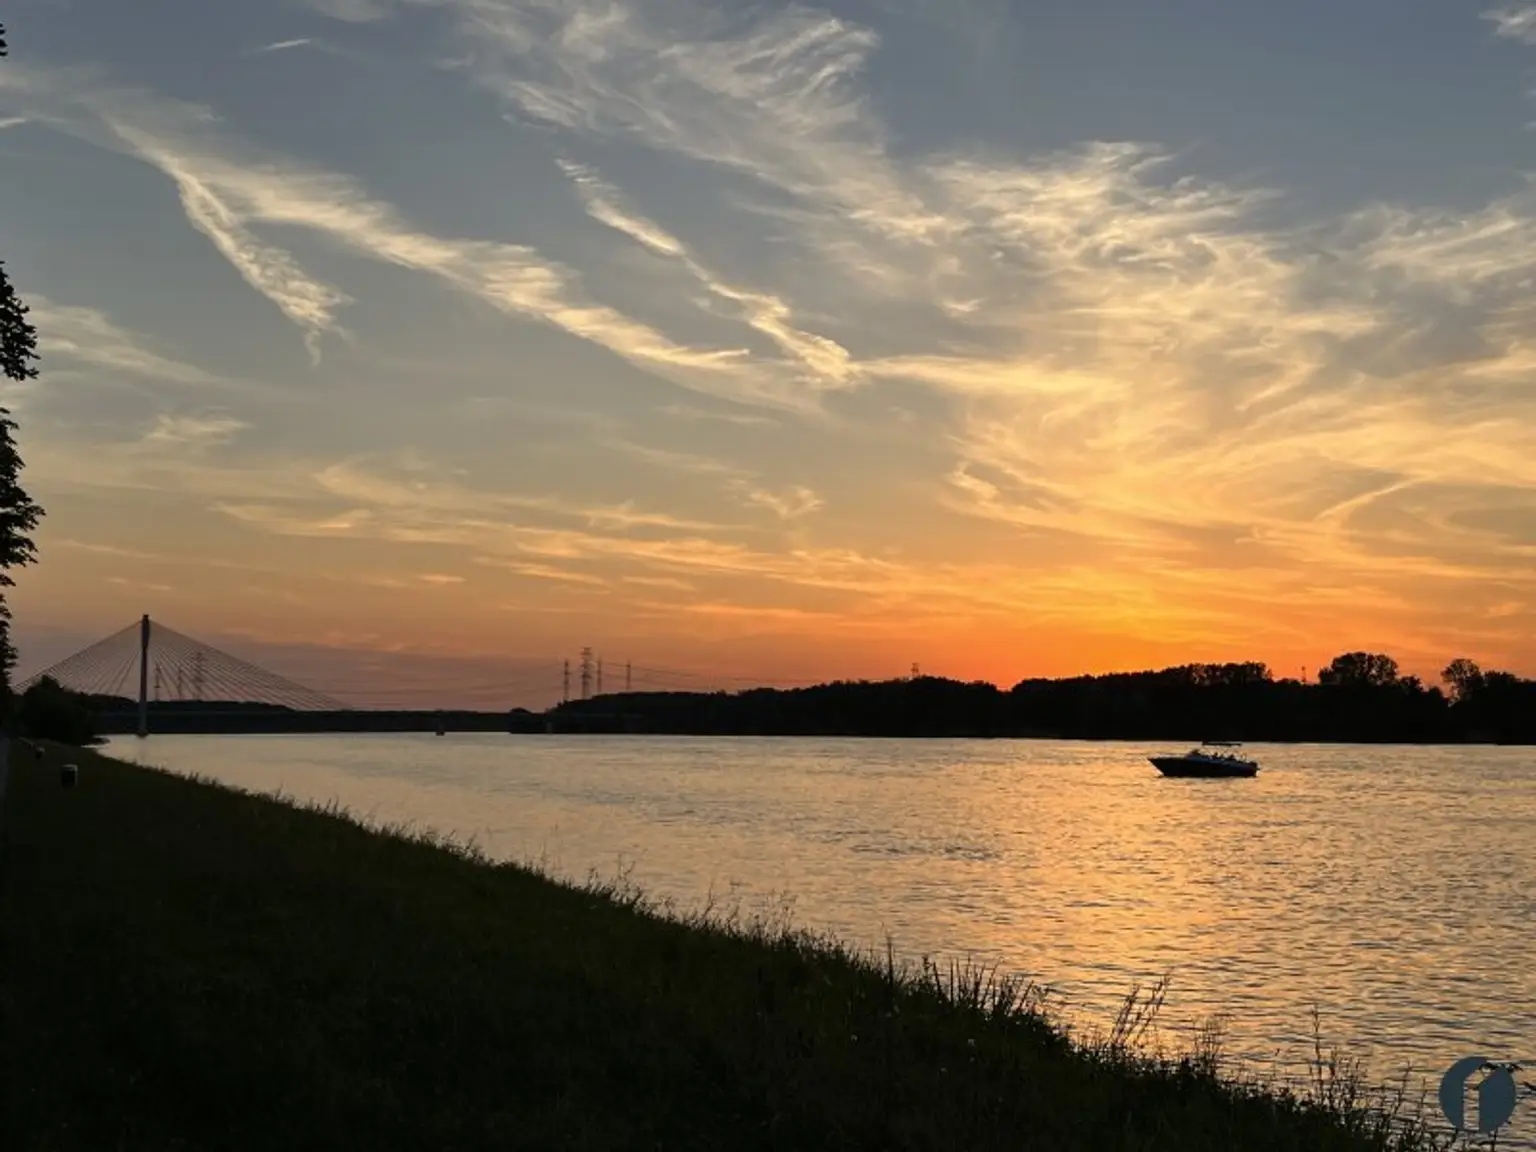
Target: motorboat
{"x":1214,"y":758}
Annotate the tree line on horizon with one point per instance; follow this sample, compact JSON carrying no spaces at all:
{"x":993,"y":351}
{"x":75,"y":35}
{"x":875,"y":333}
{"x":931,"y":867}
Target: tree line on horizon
{"x":1359,"y":696}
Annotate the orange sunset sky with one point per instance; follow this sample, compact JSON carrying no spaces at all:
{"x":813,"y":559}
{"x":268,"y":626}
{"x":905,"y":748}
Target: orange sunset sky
{"x":408,"y":346}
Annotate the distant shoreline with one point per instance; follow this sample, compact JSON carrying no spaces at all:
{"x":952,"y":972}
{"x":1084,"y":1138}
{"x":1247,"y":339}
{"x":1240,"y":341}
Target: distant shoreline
{"x":216,"y":722}
{"x":1359,"y":699}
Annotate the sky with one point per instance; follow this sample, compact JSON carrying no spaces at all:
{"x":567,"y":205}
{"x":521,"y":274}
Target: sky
{"x":409,"y":346}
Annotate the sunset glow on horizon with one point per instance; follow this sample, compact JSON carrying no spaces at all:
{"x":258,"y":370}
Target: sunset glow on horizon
{"x":772,"y":341}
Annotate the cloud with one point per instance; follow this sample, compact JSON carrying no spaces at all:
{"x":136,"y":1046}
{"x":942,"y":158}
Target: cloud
{"x":268,"y":269}
{"x":823,"y":363}
{"x":350,"y":11}
{"x":351,"y":483}
{"x":345,"y":499}
{"x":643,"y":551}
{"x":791,"y":503}
{"x":284,"y":523}
{"x":775,"y":99}
{"x":1514,"y":22}
{"x":1153,"y":371}
{"x":226,"y":194}
{"x":977,"y":23}
{"x":788,"y":505}
{"x":193,"y":433}
{"x":668,"y":582}
{"x":287,"y":45}
{"x":687,"y":462}
{"x":134,"y":465}
{"x":138,"y":585}
{"x":167,"y":559}
{"x":89,"y":338}
{"x":771,"y":97}
{"x":690,"y":412}
{"x":543,"y":572}
{"x":410,"y":583}
{"x":746,"y":613}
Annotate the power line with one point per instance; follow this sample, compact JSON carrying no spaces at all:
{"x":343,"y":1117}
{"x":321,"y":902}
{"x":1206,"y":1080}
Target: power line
{"x":549,"y":675}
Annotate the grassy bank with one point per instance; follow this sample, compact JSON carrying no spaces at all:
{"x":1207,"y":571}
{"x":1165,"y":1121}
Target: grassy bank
{"x":189,"y":967}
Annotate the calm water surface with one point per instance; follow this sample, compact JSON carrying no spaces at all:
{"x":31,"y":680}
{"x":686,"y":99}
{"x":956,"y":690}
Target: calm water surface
{"x":1389,"y":887}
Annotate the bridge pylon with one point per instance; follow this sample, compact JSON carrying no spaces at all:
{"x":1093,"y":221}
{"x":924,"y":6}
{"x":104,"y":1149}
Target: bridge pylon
{"x":166,"y":658}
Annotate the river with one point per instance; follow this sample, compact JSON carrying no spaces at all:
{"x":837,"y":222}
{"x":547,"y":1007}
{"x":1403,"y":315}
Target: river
{"x":1389,"y":887}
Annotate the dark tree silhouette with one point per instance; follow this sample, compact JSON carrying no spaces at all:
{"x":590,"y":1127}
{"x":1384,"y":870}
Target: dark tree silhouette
{"x":1464,"y":678}
{"x":1189,"y":702}
{"x":1360,"y":669}
{"x":18,"y":514}
{"x":49,"y":711}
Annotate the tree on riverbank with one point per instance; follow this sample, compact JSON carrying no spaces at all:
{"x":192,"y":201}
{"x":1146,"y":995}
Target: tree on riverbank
{"x":1360,"y":697}
{"x":18,"y":513}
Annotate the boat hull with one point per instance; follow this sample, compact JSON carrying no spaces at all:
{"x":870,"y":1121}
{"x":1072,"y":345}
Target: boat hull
{"x":1185,"y":768}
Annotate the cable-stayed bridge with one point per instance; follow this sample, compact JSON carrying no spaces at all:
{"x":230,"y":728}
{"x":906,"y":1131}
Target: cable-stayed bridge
{"x":150,"y":670}
{"x":175,"y":667}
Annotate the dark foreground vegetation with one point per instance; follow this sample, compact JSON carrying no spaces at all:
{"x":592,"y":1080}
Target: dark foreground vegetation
{"x":188,"y":967}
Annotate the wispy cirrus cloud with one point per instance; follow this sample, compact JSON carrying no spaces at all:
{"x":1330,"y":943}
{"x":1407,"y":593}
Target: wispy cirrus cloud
{"x":1514,"y":22}
{"x":790,"y":504}
{"x":81,"y":101}
{"x":226,"y":194}
{"x":858,"y":590}
{"x":191,"y":431}
{"x":770,"y":97}
{"x":72,"y":335}
{"x":822,"y":363}
{"x":355,"y":484}
{"x":691,"y":412}
{"x":350,"y":11}
{"x":543,"y":572}
{"x":282,"y":521}
{"x":270,"y":270}
{"x":287,"y":45}
{"x":775,"y":98}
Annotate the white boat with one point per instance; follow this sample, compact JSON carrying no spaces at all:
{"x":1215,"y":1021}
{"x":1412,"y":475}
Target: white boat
{"x":1211,"y":759}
